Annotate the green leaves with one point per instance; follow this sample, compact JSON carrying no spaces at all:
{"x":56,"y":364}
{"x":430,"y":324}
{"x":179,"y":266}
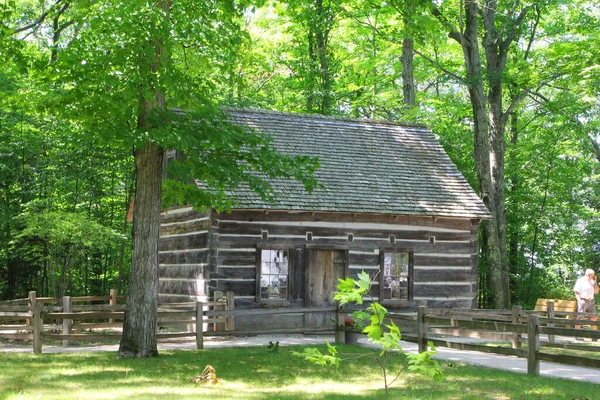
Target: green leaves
{"x":353,"y":291}
{"x":314,"y":356}
{"x":381,"y":331}
{"x":424,"y":363}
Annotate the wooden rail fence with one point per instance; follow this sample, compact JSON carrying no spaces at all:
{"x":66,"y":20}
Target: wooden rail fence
{"x":492,"y":331}
{"x":69,"y":319}
{"x":448,"y":328}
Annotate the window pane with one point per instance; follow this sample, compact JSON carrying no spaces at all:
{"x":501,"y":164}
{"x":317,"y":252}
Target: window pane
{"x":274,"y":274}
{"x":395,"y":276}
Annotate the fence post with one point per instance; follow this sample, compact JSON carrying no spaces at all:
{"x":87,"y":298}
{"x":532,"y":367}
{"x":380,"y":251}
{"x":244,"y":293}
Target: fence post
{"x":38,"y":327}
{"x":67,"y":307}
{"x":516,"y":336}
{"x":216,"y":297}
{"x":533,"y":345}
{"x":112,"y":301}
{"x":32,"y":298}
{"x":550,"y":307}
{"x":229,"y":320}
{"x":421,"y":328}
{"x":199,"y":325}
{"x":340,"y":335}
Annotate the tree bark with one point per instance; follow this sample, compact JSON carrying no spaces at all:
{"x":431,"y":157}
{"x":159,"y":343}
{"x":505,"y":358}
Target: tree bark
{"x":489,"y":159}
{"x":139,"y":326}
{"x":408,"y":80}
{"x":408,"y":56}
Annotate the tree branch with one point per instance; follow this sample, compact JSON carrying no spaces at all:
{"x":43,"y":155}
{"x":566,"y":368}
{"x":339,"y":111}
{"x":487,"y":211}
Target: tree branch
{"x":577,"y":122}
{"x":453,"y":33}
{"x":441,"y":67}
{"x":38,"y":20}
{"x":513,"y":104}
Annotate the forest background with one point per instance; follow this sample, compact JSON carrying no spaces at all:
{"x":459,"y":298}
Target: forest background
{"x":510,"y":88}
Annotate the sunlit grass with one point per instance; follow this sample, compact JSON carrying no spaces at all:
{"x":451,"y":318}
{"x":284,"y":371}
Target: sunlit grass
{"x":259,"y":373}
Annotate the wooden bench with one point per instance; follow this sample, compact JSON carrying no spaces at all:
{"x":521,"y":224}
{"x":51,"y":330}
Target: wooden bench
{"x":559,"y":305}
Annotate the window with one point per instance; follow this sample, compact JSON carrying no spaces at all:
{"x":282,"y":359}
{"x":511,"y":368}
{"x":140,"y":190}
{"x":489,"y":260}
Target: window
{"x":274,"y":272}
{"x":395,"y":282}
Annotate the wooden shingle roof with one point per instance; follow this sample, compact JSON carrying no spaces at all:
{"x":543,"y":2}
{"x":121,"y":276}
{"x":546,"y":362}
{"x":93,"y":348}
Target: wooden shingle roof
{"x":366,"y":166}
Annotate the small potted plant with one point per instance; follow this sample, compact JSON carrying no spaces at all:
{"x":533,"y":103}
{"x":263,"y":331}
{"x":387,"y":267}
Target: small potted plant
{"x":352,"y":330}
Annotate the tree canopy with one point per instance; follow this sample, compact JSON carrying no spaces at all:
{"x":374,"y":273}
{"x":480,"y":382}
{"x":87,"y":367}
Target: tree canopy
{"x":94,"y":92}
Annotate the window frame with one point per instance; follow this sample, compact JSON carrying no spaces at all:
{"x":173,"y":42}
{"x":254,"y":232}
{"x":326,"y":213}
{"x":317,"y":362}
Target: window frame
{"x":273,"y":247}
{"x":411,"y":265}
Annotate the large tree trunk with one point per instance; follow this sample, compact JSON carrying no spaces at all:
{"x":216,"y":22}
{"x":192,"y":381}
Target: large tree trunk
{"x":139,"y":326}
{"x":489,"y":159}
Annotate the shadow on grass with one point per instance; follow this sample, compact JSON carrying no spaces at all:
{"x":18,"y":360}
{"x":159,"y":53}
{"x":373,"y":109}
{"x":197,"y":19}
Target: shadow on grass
{"x":260,"y":373}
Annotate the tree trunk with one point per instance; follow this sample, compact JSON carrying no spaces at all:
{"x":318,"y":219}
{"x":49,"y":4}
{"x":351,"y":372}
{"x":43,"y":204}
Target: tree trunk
{"x":139,"y":326}
{"x":319,"y":82}
{"x":489,"y":159}
{"x":408,"y":81}
{"x":408,"y":55}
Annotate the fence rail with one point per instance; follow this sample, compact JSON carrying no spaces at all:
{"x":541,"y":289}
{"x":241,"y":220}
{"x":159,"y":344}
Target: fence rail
{"x":455,"y":325}
{"x":68,"y":319}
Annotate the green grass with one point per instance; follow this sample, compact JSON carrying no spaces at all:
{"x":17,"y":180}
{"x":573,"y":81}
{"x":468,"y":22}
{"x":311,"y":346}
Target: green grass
{"x":259,"y":373}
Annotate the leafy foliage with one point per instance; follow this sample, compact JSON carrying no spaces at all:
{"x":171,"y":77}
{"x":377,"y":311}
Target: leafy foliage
{"x":386,"y":335}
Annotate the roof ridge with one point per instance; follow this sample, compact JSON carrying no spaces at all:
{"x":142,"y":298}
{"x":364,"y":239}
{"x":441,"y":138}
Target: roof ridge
{"x":323,"y":117}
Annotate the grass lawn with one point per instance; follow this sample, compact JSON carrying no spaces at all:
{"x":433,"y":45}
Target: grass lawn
{"x":260,"y":373}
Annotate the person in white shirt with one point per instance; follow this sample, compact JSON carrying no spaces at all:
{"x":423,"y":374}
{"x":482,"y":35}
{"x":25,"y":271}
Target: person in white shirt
{"x":585,"y":289}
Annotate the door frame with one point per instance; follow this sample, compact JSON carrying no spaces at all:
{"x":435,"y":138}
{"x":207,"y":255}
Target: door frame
{"x":312,"y":247}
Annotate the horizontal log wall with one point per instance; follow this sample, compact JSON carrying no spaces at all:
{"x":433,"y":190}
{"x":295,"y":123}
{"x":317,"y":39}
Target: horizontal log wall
{"x":445,"y":265}
{"x":183,"y":256}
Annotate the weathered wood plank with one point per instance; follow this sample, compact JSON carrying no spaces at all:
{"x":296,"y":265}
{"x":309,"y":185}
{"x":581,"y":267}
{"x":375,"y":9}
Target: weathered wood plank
{"x":272,"y":215}
{"x":99,"y":307}
{"x":505,"y":336}
{"x":185,"y":227}
{"x":236,"y":258}
{"x":480,"y":325}
{"x":444,"y":275}
{"x":485,"y":349}
{"x":569,"y":360}
{"x":86,"y":315}
{"x":182,"y":242}
{"x":178,"y":214}
{"x":426,"y":289}
{"x":232,"y":242}
{"x":279,"y":331}
{"x":16,"y":314}
{"x":192,"y":256}
{"x":99,"y":325}
{"x":422,"y":259}
{"x":194,"y":287}
{"x":270,"y":311}
{"x":364,"y":259}
{"x":293,"y":228}
{"x":451,"y":303}
{"x":224,"y":273}
{"x":187,"y":271}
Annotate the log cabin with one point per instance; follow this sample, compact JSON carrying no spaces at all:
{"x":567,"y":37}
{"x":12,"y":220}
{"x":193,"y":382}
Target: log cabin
{"x":392,"y":203}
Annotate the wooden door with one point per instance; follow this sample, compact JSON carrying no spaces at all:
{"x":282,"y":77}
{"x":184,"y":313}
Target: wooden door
{"x":324,"y":269}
